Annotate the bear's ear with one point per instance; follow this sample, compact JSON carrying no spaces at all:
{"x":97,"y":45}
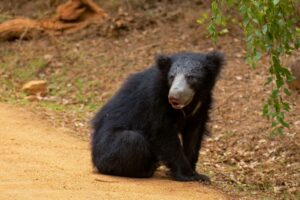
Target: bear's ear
{"x":215,"y":61}
{"x":164,"y":63}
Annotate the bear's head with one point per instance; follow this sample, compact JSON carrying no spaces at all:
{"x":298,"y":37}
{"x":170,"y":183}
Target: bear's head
{"x":190,"y":75}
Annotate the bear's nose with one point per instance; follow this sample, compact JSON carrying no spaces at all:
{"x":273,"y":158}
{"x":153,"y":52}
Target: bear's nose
{"x":173,"y":100}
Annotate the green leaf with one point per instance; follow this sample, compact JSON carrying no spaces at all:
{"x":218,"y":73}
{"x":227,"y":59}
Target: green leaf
{"x":218,"y":19}
{"x":274,"y":124}
{"x":274,"y":93}
{"x":266,"y":110}
{"x":202,"y":18}
{"x":264,"y":29}
{"x":269,"y":80}
{"x":287,"y":92}
{"x":214,"y":6}
{"x":246,"y":22}
{"x":255,"y":21}
{"x":270,"y":28}
{"x":286,"y":106}
{"x":248,"y":60}
{"x":224,"y":31}
{"x":279,"y":131}
{"x":291,"y":78}
{"x":257,"y":56}
{"x":285,"y":71}
{"x":277,"y":107}
{"x":279,"y":82}
{"x":282,"y":122}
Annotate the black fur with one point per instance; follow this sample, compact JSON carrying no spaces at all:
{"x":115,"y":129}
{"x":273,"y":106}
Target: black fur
{"x":137,"y":128}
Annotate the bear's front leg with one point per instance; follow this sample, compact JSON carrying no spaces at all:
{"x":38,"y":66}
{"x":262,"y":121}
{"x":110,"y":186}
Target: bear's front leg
{"x":169,"y":150}
{"x":193,"y":133}
{"x":191,"y":140}
{"x":183,"y":174}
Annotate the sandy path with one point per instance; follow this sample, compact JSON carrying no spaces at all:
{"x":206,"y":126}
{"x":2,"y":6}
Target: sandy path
{"x":41,"y":162}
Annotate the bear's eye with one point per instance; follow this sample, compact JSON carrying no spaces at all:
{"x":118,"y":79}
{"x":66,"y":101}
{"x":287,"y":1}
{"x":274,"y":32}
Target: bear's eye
{"x":190,"y":77}
{"x":172,"y":77}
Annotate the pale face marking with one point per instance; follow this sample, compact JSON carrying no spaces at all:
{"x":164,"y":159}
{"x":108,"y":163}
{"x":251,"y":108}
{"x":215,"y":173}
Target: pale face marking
{"x":180,"y":93}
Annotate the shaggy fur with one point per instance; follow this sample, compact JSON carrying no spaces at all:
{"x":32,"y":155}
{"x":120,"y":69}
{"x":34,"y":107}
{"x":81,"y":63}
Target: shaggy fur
{"x":138,"y":129}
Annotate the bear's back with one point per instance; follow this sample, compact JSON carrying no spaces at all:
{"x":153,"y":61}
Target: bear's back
{"x":135,"y":101}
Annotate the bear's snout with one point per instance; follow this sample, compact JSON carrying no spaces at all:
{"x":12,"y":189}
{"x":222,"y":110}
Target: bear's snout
{"x":180,"y":94}
{"x":174,"y":101}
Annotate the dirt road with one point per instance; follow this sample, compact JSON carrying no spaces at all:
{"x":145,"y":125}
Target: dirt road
{"x":42,"y":162}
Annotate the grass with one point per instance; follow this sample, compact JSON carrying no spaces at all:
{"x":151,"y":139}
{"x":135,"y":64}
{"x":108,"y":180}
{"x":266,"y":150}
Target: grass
{"x":26,"y":73}
{"x":228,"y":134}
{"x":4,"y":17}
{"x":53,"y":106}
{"x":64,"y":85}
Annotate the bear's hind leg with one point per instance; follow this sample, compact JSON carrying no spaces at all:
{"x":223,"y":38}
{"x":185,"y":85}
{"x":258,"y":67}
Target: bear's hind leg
{"x":126,"y":153}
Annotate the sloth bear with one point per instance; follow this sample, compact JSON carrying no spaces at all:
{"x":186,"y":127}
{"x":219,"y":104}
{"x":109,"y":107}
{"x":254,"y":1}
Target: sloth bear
{"x":139,"y":128}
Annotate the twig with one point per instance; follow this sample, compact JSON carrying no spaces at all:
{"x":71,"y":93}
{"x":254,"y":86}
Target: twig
{"x":100,"y":180}
{"x":147,"y":46}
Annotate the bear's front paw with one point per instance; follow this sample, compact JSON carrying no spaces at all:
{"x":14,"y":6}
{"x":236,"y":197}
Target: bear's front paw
{"x":193,"y":177}
{"x":203,"y":178}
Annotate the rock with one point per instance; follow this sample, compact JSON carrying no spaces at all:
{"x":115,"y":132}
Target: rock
{"x":48,"y":58}
{"x":295,"y":69}
{"x":37,"y":87}
{"x":292,"y":190}
{"x":238,"y":55}
{"x":239,"y":78}
{"x":279,"y":189}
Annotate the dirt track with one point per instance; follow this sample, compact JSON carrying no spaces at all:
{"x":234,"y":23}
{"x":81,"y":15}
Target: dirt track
{"x":41,"y":162}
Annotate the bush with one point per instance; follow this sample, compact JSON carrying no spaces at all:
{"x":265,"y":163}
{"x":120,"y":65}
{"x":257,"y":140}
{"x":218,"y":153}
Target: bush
{"x":270,"y":28}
